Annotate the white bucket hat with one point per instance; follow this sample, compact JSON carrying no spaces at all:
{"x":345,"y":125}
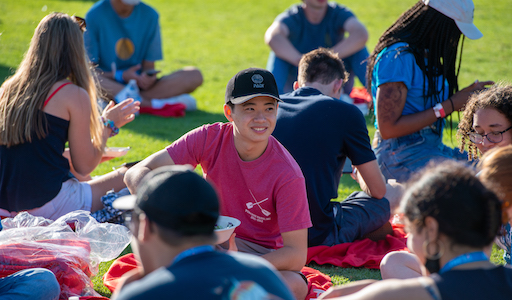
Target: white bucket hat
{"x":461,"y":11}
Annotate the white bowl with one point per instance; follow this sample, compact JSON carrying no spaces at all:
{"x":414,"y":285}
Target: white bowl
{"x":224,"y":232}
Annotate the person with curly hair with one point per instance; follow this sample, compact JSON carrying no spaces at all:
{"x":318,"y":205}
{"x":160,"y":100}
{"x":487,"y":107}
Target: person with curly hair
{"x":412,"y":76}
{"x":485,"y":126}
{"x":452,"y":217}
{"x":487,"y":120}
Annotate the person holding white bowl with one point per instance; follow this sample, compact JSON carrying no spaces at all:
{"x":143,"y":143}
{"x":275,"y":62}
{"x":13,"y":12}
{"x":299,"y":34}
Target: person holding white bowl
{"x":172,"y":219}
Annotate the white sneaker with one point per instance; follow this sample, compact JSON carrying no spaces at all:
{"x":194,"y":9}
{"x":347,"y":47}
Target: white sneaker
{"x":131,"y":90}
{"x":186,"y":99}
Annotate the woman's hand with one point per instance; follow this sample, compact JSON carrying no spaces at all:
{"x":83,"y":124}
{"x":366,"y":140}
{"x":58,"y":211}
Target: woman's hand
{"x":461,"y":97}
{"x":121,"y":113}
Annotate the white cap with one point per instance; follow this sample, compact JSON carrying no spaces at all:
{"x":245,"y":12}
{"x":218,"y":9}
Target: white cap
{"x":461,"y":11}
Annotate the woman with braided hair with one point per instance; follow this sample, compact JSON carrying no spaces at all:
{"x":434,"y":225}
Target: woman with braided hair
{"x":451,"y":217}
{"x":412,"y":75}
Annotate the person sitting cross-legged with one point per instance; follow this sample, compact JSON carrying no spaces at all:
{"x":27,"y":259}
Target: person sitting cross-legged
{"x":320,"y":131}
{"x":123,"y":41}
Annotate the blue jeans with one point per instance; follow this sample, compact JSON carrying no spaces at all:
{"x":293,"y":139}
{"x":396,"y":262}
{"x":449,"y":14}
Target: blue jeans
{"x":400,"y":158}
{"x":286,"y":73}
{"x":34,"y":284}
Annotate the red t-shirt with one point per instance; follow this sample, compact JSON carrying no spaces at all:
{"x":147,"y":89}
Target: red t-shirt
{"x":268,"y":194}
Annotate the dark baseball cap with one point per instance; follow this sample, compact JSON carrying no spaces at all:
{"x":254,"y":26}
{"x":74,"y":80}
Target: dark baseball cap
{"x":251,"y":83}
{"x":177,"y":198}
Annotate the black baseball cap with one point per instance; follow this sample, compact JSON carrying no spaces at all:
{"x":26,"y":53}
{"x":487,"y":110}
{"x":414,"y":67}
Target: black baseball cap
{"x":251,"y":83}
{"x":177,"y":198}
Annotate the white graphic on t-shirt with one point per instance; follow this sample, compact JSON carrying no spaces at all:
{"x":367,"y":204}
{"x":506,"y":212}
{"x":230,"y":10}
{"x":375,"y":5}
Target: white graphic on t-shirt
{"x":250,"y":205}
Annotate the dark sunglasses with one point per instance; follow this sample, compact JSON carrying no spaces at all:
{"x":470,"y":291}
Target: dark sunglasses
{"x":81,"y":22}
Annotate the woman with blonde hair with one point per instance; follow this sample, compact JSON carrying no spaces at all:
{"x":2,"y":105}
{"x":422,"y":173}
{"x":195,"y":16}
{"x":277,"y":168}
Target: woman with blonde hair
{"x":48,"y":102}
{"x":496,"y":173}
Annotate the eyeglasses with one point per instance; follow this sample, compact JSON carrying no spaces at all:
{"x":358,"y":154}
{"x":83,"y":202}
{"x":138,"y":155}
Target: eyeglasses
{"x":493,"y":137}
{"x":81,"y":22}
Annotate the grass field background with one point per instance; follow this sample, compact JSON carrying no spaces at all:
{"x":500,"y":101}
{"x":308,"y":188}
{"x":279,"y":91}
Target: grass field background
{"x":223,"y":37}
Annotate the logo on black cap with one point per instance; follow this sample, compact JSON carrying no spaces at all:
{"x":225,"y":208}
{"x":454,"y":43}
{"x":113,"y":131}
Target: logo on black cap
{"x":251,"y":83}
{"x":258,"y":81}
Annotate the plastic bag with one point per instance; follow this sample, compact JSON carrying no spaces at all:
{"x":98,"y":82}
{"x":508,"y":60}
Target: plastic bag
{"x":72,"y":255}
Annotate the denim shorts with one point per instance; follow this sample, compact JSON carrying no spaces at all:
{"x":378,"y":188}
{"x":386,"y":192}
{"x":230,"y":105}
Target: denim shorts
{"x":400,"y":158}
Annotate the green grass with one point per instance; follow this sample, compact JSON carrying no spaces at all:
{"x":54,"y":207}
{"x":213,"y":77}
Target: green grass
{"x":222,"y":37}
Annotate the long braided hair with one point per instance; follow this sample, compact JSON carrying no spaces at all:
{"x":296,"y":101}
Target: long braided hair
{"x":433,"y":39}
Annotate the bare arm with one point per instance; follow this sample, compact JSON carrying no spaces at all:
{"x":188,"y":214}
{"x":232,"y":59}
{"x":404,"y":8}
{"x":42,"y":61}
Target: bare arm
{"x":392,"y":289}
{"x":346,"y":289}
{"x":276,"y":37}
{"x":84,"y":156}
{"x":135,"y":174}
{"x":358,"y":36}
{"x":293,"y":255}
{"x":371,"y":180}
{"x":391,"y":98}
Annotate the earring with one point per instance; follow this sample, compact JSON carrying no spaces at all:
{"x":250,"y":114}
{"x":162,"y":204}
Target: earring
{"x":432,"y":264}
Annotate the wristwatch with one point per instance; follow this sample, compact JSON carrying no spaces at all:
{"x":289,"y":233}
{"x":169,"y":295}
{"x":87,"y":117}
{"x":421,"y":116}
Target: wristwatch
{"x":439,"y":110}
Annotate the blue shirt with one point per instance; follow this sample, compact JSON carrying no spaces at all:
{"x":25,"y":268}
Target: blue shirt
{"x":124,"y":41}
{"x":211,"y":275}
{"x":305,"y":36}
{"x":396,"y":63}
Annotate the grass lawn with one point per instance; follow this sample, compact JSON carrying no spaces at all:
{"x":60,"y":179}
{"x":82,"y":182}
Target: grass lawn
{"x":222,"y":37}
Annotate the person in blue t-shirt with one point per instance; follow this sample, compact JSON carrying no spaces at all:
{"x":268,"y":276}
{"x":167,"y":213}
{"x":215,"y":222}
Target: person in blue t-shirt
{"x":173,"y":216}
{"x":320,"y":132}
{"x":308,"y":26}
{"x":123,"y":40}
{"x":412,"y":76}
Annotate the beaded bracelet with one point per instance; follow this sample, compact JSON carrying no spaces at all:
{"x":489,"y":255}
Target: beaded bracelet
{"x":110,"y":124}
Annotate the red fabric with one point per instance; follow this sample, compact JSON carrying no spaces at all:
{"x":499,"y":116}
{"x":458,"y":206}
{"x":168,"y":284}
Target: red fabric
{"x":169,"y":110}
{"x":360,"y":95}
{"x":67,"y":259}
{"x":362,"y":253}
{"x":117,"y":269}
{"x":318,"y":282}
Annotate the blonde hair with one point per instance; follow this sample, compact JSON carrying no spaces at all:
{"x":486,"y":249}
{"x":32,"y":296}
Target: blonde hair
{"x":56,"y":52}
{"x":496,"y":166}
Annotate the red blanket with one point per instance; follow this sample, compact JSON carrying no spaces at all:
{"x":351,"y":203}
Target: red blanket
{"x":317,"y":281}
{"x":363,"y":253}
{"x":67,"y":259}
{"x":169,"y":110}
